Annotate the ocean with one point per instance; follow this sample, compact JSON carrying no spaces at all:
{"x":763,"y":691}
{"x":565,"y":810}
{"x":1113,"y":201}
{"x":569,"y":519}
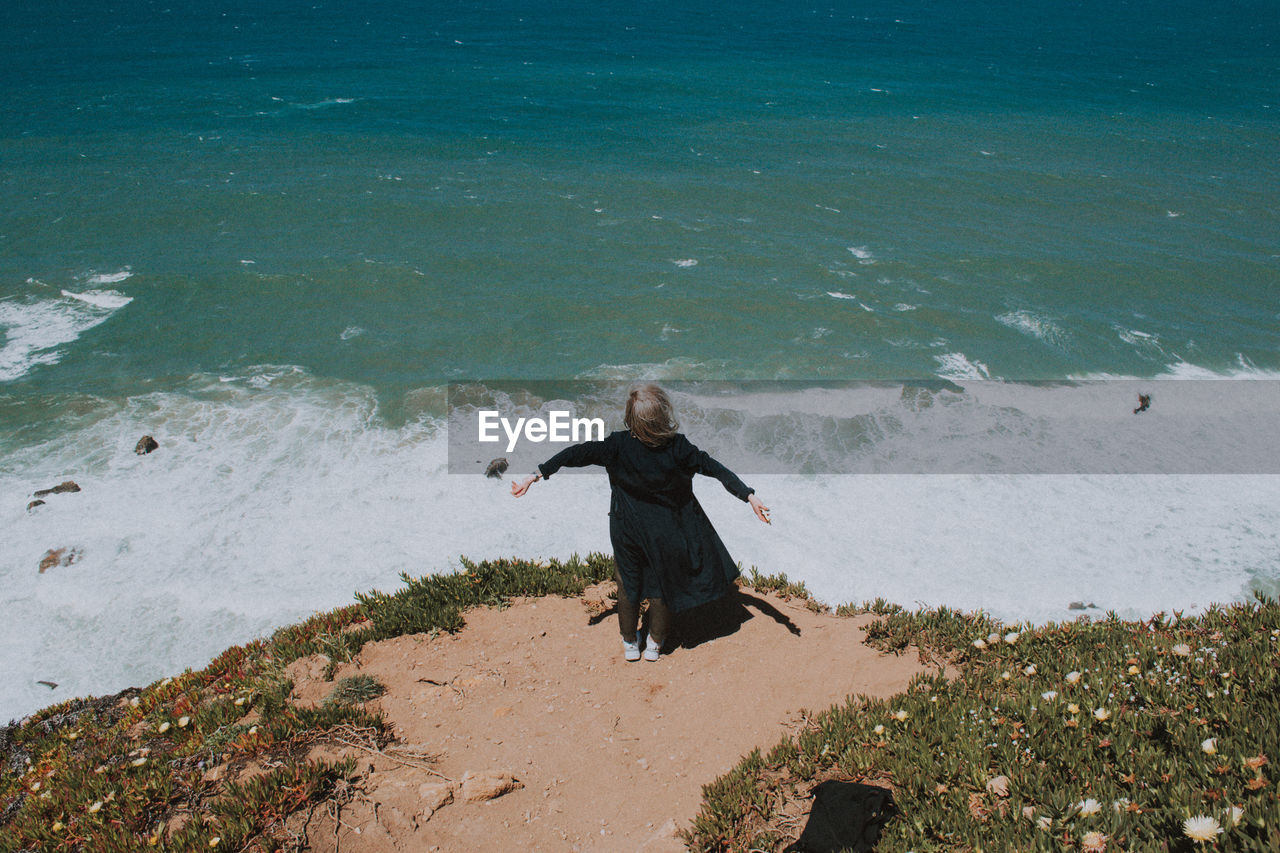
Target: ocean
{"x":274,"y":234}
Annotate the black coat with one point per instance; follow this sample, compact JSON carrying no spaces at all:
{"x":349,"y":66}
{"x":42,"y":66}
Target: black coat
{"x":663,"y":542}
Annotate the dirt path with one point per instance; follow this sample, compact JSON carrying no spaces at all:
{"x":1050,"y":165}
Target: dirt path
{"x":610,"y":755}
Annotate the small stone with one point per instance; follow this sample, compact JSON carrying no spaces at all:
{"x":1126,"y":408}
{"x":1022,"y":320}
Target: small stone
{"x":433,"y":796}
{"x":477,"y":787}
{"x":145,"y":445}
{"x":34,"y":504}
{"x":497,"y":467}
{"x":59,"y":557}
{"x":1076,"y":605}
{"x":999,"y":786}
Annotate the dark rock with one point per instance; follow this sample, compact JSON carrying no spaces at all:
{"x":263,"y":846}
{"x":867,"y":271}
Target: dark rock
{"x":1144,"y":403}
{"x":1076,"y":605}
{"x":497,"y":467}
{"x":52,"y":685}
{"x":61,"y":488}
{"x":59,"y":557}
{"x":34,"y":504}
{"x":145,"y":445}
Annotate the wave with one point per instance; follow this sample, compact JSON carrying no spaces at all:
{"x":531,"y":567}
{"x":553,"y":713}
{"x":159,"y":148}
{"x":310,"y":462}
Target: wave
{"x":35,"y":328}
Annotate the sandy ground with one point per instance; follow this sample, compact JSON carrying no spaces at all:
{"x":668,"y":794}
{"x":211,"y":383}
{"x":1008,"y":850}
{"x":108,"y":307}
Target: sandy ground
{"x":607,"y":755}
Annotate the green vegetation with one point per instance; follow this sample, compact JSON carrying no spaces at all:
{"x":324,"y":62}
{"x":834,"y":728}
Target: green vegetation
{"x":357,"y":689}
{"x":1104,"y":735}
{"x":140,"y":769}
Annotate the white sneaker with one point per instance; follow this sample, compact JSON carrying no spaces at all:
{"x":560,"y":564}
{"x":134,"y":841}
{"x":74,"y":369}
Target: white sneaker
{"x":651,"y":649}
{"x":631,"y":651}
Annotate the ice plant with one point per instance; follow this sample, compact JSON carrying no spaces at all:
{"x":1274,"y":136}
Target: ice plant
{"x":1182,"y":650}
{"x":1101,"y":714}
{"x":979,"y":643}
{"x":1093,"y":842}
{"x":1049,"y":695}
{"x":1073,"y":677}
{"x":1073,"y":708}
{"x":1201,"y":828}
{"x":1089,"y":807}
{"x":1209,"y":746}
{"x":1011,"y":637}
{"x":900,"y":715}
{"x":1030,"y":669}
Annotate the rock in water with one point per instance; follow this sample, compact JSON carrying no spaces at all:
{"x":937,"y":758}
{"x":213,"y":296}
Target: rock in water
{"x":497,"y":467}
{"x":477,"y":787}
{"x":145,"y":445}
{"x":52,"y":685}
{"x":59,"y":557}
{"x":1144,"y":403}
{"x":66,"y":486}
{"x":34,"y":504}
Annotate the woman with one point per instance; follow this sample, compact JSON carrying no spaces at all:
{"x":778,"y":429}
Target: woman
{"x":663,"y":543}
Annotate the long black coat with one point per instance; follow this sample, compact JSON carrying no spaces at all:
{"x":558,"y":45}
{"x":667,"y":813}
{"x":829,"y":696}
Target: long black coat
{"x":663,"y":542}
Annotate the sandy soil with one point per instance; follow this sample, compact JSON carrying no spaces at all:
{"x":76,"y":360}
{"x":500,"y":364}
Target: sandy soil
{"x":607,"y":755}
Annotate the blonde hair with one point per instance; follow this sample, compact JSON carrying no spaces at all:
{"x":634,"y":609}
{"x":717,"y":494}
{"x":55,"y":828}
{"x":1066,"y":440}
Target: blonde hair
{"x":650,"y":416}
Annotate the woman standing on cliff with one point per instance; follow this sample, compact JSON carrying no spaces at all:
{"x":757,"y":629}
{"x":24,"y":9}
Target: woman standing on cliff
{"x":664,"y":545}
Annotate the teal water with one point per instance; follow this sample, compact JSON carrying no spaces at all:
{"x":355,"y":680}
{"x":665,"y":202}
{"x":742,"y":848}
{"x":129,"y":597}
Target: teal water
{"x":270,"y":233}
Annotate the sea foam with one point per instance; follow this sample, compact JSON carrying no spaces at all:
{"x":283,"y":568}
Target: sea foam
{"x":275,"y":493}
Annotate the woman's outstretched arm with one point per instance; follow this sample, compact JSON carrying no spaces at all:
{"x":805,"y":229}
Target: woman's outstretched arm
{"x":703,"y":463}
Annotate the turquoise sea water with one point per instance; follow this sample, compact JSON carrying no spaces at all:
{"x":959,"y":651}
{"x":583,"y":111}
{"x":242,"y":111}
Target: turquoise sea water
{"x":270,"y":233}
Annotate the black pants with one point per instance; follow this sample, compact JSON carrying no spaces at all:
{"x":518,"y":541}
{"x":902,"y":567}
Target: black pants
{"x":629,"y":617}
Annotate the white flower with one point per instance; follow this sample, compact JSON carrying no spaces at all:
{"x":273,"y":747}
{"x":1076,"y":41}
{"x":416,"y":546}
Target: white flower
{"x":879,"y":729}
{"x":1073,"y":676}
{"x":1073,"y":708}
{"x":1030,"y":669}
{"x":1093,"y":842}
{"x":166,"y":682}
{"x":1182,"y":650}
{"x":1089,"y":807}
{"x":253,"y":730}
{"x":900,"y":715}
{"x":215,"y":841}
{"x":1237,"y":815}
{"x":1049,"y":695}
{"x":133,"y":702}
{"x":239,"y":700}
{"x":164,"y":727}
{"x":1133,"y":670}
{"x":1101,"y":714}
{"x":183,"y":721}
{"x":1011,"y":637}
{"x":993,"y":638}
{"x":1045,"y":822}
{"x":97,"y":804}
{"x":138,"y":762}
{"x":1209,"y":746}
{"x":1201,"y":828}
{"x":979,"y":643}
{"x":1006,"y":675}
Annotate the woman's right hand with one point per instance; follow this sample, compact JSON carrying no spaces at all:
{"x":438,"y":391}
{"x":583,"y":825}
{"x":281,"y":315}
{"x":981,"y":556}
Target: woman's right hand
{"x":761,"y":511}
{"x":518,"y":489}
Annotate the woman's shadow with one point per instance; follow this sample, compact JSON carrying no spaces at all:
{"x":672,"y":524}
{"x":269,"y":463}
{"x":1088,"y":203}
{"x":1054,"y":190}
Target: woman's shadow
{"x":711,"y":621}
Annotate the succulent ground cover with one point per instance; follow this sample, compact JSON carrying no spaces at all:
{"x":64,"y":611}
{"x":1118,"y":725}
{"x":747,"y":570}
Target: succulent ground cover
{"x":133,"y":771}
{"x":1104,"y":735}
